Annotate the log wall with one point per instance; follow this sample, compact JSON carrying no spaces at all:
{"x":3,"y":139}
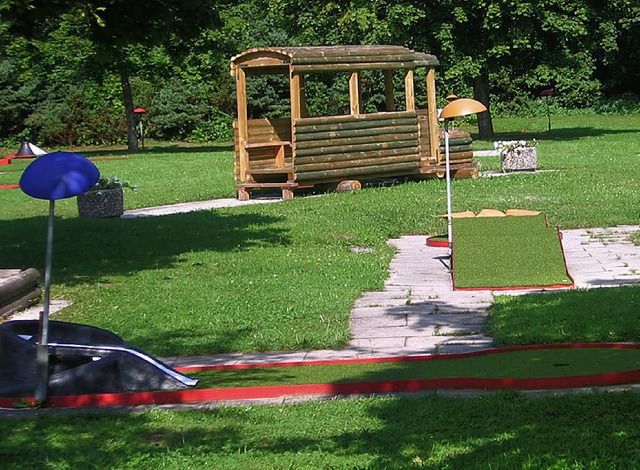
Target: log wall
{"x":460,"y":147}
{"x":336,"y":148}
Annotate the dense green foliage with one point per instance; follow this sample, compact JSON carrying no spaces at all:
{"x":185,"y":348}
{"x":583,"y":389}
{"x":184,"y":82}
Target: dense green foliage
{"x":62,"y":84}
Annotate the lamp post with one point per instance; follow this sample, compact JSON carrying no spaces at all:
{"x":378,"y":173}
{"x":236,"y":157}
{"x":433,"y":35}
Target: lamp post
{"x":456,"y":108}
{"x":138,"y":112}
{"x":54,"y":176}
{"x":546,"y":93}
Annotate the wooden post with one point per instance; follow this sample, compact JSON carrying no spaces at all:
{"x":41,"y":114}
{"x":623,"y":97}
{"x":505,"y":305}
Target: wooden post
{"x":388,"y":90}
{"x":295,"y":89}
{"x":409,"y":91}
{"x":432,"y":113}
{"x":354,"y":92}
{"x":296,"y":99}
{"x":241,"y":92}
{"x":303,"y":98}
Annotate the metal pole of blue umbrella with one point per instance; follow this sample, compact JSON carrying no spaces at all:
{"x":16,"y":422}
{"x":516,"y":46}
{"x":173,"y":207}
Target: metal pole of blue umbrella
{"x":42,"y":349}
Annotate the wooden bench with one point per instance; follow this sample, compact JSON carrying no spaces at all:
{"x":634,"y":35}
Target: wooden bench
{"x":244,"y":189}
{"x":278,"y":145}
{"x":270,"y":170}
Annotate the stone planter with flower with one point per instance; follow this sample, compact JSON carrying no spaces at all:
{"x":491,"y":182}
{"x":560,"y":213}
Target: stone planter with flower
{"x":105,"y":199}
{"x":517,"y":155}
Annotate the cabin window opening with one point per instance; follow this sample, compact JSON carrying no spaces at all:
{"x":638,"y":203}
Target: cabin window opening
{"x":326,"y":94}
{"x":268,"y":96}
{"x":420,"y":87}
{"x":373,"y":91}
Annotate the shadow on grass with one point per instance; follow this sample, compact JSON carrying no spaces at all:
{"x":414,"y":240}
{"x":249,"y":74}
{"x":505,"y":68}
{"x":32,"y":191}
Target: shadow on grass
{"x":504,"y":430}
{"x":154,"y":148}
{"x":512,"y":432}
{"x":166,"y":342}
{"x":86,"y":248}
{"x":562,"y":134}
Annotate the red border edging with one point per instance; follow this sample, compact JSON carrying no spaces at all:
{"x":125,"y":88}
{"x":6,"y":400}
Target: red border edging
{"x":266,"y":392}
{"x":433,"y":241}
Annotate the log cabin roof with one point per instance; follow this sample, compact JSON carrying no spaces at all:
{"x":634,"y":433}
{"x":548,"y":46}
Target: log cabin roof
{"x":266,"y":60}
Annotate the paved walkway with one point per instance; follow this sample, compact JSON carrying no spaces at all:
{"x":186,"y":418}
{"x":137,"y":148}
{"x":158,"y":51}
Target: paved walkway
{"x":418,"y":312}
{"x":193,"y":206}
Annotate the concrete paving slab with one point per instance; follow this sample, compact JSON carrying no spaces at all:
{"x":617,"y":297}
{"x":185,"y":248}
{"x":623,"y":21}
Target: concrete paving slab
{"x":193,"y":207}
{"x":382,"y":322}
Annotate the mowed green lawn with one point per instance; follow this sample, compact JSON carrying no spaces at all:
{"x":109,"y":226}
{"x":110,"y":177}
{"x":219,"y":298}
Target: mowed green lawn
{"x":284,"y":276}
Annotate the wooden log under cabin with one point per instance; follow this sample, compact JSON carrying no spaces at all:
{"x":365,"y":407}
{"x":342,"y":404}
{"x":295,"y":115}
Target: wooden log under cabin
{"x":304,"y":151}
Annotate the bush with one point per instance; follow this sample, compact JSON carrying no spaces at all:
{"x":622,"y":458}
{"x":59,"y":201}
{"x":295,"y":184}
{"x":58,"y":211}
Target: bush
{"x":217,"y":128}
{"x":182,"y":111}
{"x":80,"y":117}
{"x":628,"y":103}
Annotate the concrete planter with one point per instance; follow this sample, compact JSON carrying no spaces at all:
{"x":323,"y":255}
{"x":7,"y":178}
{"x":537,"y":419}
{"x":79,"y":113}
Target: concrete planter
{"x":101,"y":203}
{"x":519,"y":158}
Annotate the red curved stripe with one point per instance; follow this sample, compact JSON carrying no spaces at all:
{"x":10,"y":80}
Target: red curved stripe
{"x":280,"y":391}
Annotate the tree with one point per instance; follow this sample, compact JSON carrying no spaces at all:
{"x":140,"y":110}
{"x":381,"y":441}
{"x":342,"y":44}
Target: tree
{"x":118,"y":28}
{"x":616,"y":44}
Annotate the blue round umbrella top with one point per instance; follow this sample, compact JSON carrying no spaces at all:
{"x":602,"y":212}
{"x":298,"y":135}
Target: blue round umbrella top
{"x":59,"y":175}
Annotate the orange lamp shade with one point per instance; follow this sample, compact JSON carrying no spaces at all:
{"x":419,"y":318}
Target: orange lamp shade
{"x":462,"y":107}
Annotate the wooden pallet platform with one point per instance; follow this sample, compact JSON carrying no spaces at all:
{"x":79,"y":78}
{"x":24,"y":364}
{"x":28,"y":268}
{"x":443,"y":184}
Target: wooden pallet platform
{"x":244,"y":189}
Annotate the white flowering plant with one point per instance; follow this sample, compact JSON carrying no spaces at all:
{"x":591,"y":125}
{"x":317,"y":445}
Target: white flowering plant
{"x":113,"y":182}
{"x":517,"y":154}
{"x":514,"y":144}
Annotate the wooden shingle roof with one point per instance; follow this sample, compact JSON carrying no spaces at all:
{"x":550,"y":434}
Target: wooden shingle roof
{"x":330,"y":58}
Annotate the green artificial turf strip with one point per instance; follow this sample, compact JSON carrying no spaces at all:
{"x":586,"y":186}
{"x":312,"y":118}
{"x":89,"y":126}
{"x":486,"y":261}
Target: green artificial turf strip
{"x":513,"y":364}
{"x":507,"y":252}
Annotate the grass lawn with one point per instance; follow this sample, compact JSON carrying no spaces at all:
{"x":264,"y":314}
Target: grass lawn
{"x":284,"y":276}
{"x":502,"y":431}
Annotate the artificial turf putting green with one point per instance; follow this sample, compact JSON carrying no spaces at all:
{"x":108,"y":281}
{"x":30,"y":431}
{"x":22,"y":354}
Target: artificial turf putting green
{"x":519,"y":364}
{"x":507,"y":252}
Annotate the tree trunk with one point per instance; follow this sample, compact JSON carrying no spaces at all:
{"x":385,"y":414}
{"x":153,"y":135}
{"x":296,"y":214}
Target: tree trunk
{"x":132,"y":136}
{"x":481,"y":93}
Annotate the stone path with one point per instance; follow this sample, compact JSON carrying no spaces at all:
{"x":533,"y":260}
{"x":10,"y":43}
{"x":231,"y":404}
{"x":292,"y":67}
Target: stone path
{"x":418,"y":312}
{"x":193,"y":206}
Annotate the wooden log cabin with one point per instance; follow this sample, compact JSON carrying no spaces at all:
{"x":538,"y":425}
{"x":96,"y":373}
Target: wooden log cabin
{"x":302,"y":151}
